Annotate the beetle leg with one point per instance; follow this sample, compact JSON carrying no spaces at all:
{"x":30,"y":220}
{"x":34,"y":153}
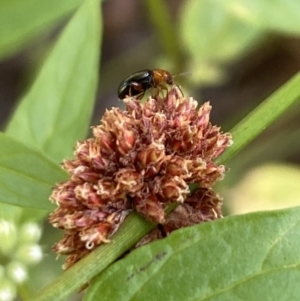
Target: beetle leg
{"x":182,"y":95}
{"x":137,"y":90}
{"x":154,"y":92}
{"x":161,"y":88}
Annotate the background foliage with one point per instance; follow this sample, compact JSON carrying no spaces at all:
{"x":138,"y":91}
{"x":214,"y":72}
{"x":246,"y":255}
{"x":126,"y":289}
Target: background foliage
{"x":238,"y":52}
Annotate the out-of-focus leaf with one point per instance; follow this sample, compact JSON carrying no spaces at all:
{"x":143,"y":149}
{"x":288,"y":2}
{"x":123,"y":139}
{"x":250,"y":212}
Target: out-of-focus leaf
{"x":251,"y":257}
{"x":57,"y":109}
{"x":279,"y":15}
{"x":210,"y":31}
{"x":11,"y":213}
{"x":18,"y":214}
{"x":33,"y":215}
{"x":26,"y":175}
{"x":20,"y":20}
{"x":217,"y":30}
{"x":270,"y":186}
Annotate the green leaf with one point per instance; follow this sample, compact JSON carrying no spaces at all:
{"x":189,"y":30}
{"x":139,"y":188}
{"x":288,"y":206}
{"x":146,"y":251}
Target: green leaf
{"x":26,"y":175}
{"x":160,"y":16}
{"x":95,"y":262}
{"x":10,"y":213}
{"x":266,"y":187}
{"x":212,"y":34}
{"x":57,"y":109}
{"x":20,"y":215}
{"x":134,"y":227}
{"x":21,"y":21}
{"x":279,"y":15}
{"x":220,"y":30}
{"x":249,"y":257}
{"x":210,"y":31}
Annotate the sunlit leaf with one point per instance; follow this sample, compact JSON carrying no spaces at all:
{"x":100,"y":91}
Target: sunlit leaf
{"x":11,"y":213}
{"x":57,"y":109}
{"x":279,"y":15}
{"x":210,"y":31}
{"x":84,"y":270}
{"x":26,"y":175}
{"x":268,"y":186}
{"x":251,"y":257}
{"x":21,"y":21}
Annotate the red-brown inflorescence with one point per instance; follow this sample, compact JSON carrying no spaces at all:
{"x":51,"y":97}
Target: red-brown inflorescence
{"x":142,"y":159}
{"x":200,"y":206}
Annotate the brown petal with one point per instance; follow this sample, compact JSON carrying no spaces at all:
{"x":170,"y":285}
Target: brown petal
{"x":172,"y":188}
{"x":128,"y":180}
{"x":150,"y":207}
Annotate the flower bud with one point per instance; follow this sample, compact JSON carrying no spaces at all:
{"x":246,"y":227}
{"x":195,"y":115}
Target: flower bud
{"x":16,"y":271}
{"x":8,"y":290}
{"x":29,"y":253}
{"x":30,"y":232}
{"x":8,"y":234}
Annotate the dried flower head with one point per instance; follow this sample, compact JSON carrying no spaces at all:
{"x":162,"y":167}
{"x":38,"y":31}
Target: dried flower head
{"x":201,"y":206}
{"x":142,"y":159}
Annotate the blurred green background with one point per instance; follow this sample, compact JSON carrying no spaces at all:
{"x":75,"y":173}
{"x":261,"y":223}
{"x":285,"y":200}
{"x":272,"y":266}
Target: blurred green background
{"x":237,"y":54}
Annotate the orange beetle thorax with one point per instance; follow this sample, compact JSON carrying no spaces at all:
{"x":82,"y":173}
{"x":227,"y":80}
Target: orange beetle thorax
{"x":162,"y":77}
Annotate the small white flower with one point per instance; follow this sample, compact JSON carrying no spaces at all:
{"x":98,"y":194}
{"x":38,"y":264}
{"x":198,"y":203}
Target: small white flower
{"x":7,"y":290}
{"x":16,"y":271}
{"x":30,"y":232}
{"x":8,"y":234}
{"x":29,"y":253}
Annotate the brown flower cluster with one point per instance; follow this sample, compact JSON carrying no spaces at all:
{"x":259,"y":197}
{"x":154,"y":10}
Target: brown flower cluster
{"x":200,"y":206}
{"x":142,"y":159}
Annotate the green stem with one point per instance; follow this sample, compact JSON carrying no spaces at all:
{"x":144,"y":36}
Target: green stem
{"x":70,"y":281}
{"x":135,"y":227}
{"x":262,"y":116}
{"x":24,"y":292}
{"x":166,"y":30}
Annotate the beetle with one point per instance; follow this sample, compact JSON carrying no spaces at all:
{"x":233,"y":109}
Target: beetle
{"x":139,"y":82}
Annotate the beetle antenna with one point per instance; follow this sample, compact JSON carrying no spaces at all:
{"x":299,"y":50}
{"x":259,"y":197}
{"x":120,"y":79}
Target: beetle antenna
{"x":186,"y":73}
